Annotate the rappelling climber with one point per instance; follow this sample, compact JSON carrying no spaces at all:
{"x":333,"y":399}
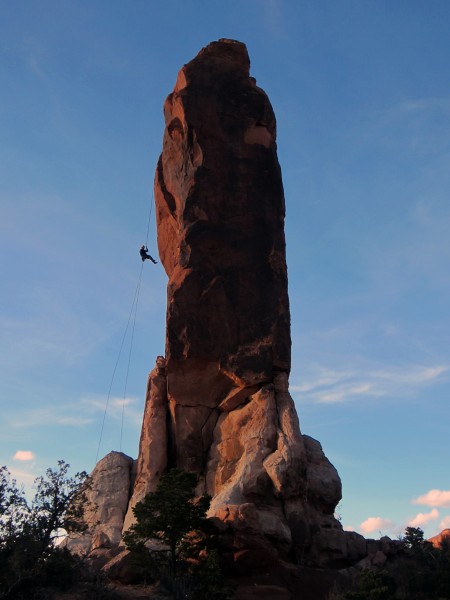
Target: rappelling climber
{"x":144,"y":254}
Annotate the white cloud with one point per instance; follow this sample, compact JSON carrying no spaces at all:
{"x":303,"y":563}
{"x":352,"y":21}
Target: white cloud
{"x":24,"y":455}
{"x":434,"y":498}
{"x":422,"y":519}
{"x":114,"y":404}
{"x":376,"y":524}
{"x":121,"y":402}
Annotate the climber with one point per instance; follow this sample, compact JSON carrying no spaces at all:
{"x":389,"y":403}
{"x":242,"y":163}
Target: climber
{"x":144,"y":254}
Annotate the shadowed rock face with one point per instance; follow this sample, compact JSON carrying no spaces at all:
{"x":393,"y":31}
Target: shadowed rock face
{"x":220,"y":211}
{"x":218,"y":403}
{"x":220,"y":215}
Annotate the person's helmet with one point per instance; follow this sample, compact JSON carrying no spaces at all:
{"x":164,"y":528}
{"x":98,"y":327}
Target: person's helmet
{"x":142,"y":247}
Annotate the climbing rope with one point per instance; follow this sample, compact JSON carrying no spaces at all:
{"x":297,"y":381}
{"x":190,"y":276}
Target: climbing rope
{"x":132,"y":315}
{"x":129,"y":358}
{"x":133,"y":309}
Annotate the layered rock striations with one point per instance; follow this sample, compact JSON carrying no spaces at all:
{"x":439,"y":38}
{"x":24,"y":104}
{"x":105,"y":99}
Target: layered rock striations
{"x":218,"y":402}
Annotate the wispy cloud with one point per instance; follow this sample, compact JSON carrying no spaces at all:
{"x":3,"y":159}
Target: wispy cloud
{"x":24,"y":455}
{"x":411,"y":375}
{"x":422,"y":519}
{"x":415,"y":105}
{"x":346,"y":392}
{"x":50,"y":415}
{"x":333,"y":386}
{"x":78,"y":414}
{"x":273,"y":16}
{"x":324,"y":378}
{"x":115,"y":407}
{"x":434,"y":498}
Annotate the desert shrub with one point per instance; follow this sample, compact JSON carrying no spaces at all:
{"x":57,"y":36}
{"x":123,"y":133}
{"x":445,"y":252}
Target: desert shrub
{"x":373,"y":586}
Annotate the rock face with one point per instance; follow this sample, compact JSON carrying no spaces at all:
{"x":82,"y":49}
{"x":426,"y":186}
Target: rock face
{"x":218,"y":404}
{"x":441,"y":538}
{"x":108,"y":502}
{"x":220,"y":215}
{"x":152,"y":460}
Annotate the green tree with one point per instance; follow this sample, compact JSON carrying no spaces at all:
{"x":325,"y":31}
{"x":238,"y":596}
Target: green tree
{"x":28,"y":530}
{"x":59,"y":503}
{"x":414,"y":539}
{"x":188,"y":561}
{"x":169,"y":514}
{"x":372,"y":586}
{"x":13,"y":507}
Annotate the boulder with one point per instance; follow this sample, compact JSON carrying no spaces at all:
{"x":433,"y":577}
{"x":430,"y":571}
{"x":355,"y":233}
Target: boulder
{"x":107,"y":502}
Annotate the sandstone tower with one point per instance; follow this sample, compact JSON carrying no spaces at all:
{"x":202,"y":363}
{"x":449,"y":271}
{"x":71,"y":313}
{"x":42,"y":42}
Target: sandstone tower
{"x":218,"y":402}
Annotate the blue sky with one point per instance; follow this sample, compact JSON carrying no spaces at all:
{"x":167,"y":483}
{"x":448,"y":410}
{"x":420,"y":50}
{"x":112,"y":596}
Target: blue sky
{"x":361,"y":91}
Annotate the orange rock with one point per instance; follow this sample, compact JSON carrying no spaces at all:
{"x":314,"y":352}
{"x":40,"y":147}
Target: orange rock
{"x":152,"y":460}
{"x":438,"y":539}
{"x":220,"y":405}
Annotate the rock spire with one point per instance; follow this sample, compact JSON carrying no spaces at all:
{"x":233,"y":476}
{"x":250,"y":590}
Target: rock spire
{"x":220,"y":216}
{"x":218,"y":402}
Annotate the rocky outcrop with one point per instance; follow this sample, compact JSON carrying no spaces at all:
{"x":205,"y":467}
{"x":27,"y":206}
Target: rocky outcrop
{"x":107,"y":503}
{"x":441,"y":538}
{"x":218,"y":404}
{"x":152,"y":459}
